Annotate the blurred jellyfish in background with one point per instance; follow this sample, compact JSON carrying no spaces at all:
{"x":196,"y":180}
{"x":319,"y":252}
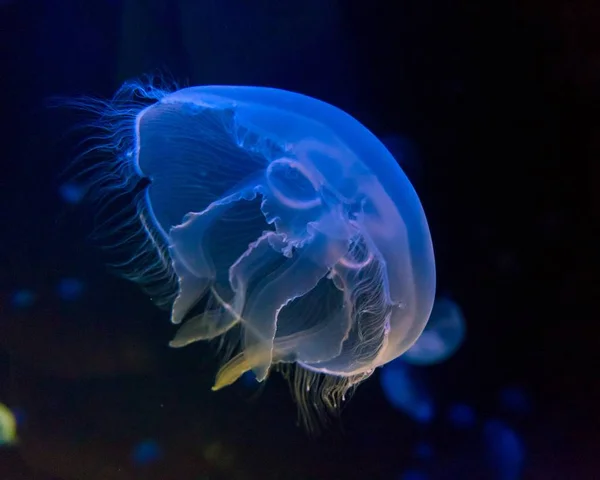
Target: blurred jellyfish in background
{"x":274,"y":221}
{"x":515,"y":400}
{"x":405,"y":385}
{"x":22,"y":298}
{"x":423,"y":451}
{"x":71,"y":193}
{"x":146,"y":453}
{"x":8,"y":426}
{"x":504,"y":450}
{"x":413,"y":474}
{"x":461,"y":416}
{"x":442,"y":337}
{"x":407,"y":391}
{"x":70,"y":289}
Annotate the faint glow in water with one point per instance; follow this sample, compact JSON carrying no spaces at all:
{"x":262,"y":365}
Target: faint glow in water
{"x":71,"y":193}
{"x":70,"y":289}
{"x":8,"y":426}
{"x":20,"y":416}
{"x":220,"y":455}
{"x":413,"y":475}
{"x":406,"y":392}
{"x":507,"y":263}
{"x":423,"y":451}
{"x":442,"y":337}
{"x":22,"y":298}
{"x":515,"y":400}
{"x":505,"y":450}
{"x":461,"y":416}
{"x":146,"y":452}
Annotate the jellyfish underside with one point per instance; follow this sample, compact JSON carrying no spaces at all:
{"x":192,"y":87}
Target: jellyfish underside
{"x":268,"y":211}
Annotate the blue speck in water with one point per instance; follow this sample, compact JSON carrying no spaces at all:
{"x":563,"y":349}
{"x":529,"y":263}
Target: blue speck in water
{"x":413,"y":475}
{"x":423,"y":451}
{"x":70,"y":289}
{"x":515,"y":400}
{"x":146,"y":453}
{"x":22,"y":298}
{"x":461,"y":416}
{"x":71,"y":193}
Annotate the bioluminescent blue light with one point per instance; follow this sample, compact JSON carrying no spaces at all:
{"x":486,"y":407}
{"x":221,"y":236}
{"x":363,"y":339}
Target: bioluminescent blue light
{"x":20,"y":416}
{"x":443,"y":335}
{"x":70,"y":289}
{"x":505,"y":450}
{"x":282,"y":216}
{"x":515,"y":400}
{"x":71,"y":193}
{"x":406,"y":392}
{"x":22,"y":298}
{"x":146,"y":452}
{"x":461,"y":416}
{"x":413,"y":474}
{"x":423,"y":451}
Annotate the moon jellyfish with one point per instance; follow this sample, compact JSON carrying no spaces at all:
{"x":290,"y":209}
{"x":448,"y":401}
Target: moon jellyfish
{"x":272,"y":221}
{"x":442,"y":337}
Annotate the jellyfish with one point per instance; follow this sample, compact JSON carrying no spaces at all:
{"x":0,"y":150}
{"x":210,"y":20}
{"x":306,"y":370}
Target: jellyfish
{"x":505,"y":450}
{"x":271,"y":221}
{"x":407,"y":391}
{"x":442,"y":337}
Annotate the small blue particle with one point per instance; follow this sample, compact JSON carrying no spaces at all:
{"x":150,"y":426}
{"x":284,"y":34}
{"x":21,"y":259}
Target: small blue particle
{"x":461,"y":416}
{"x":423,"y":412}
{"x":22,"y":298}
{"x":413,"y":475}
{"x":70,"y":289}
{"x":71,"y":193}
{"x":146,"y":453}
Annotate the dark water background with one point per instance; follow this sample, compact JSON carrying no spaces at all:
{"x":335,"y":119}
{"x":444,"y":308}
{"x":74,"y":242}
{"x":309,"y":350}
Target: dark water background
{"x":502,"y":104}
